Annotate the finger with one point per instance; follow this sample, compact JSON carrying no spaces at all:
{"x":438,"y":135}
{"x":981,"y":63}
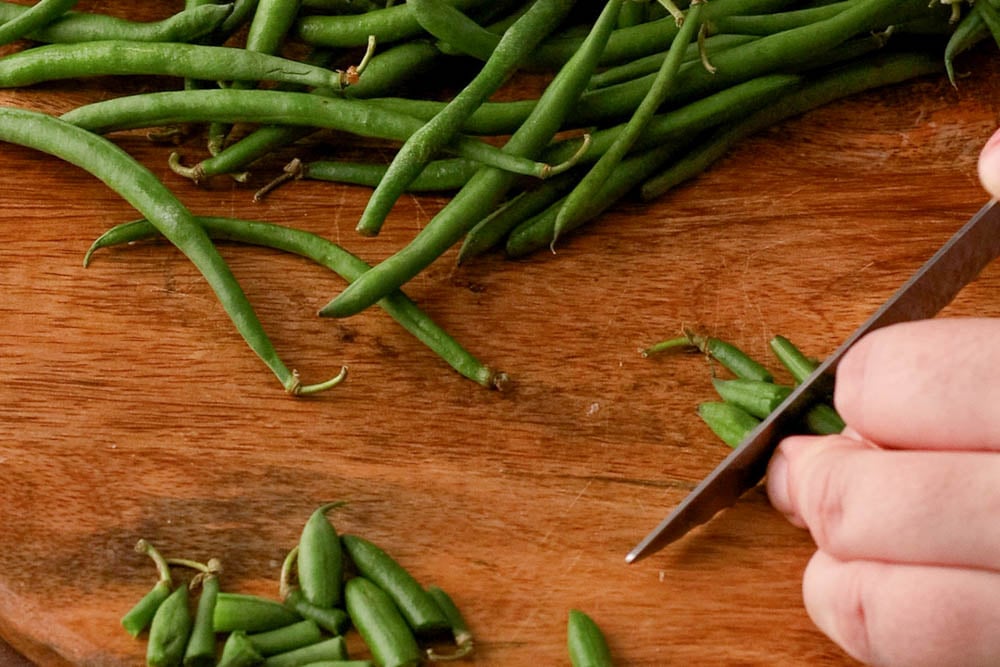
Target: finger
{"x":989,"y":166}
{"x":928,"y":384}
{"x":860,"y":502}
{"x":889,"y":615}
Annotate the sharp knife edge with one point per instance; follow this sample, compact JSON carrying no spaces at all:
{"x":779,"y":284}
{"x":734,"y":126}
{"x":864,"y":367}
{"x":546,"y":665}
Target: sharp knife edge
{"x":925,"y":294}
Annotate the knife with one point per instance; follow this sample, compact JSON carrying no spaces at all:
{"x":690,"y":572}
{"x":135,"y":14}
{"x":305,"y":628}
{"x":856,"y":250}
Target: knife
{"x":930,"y":289}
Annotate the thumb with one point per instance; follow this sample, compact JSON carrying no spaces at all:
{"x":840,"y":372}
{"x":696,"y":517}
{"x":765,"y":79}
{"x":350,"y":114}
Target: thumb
{"x":989,"y":166}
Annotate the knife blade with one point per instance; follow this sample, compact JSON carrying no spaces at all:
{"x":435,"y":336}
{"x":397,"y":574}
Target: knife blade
{"x":925,"y":294}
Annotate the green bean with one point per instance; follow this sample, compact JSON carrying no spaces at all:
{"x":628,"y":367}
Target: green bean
{"x":459,"y":32}
{"x":823,"y":419}
{"x":184,"y":26}
{"x":585,"y":642}
{"x":731,"y":423}
{"x":342,"y":6}
{"x":416,"y":605}
{"x":120,"y":57}
{"x":391,"y":24}
{"x":633,"y":12}
{"x":767,"y":24}
{"x":755,"y":396}
{"x":991,"y":17}
{"x":341,"y":663}
{"x":486,"y":188}
{"x":422,"y":145}
{"x":969,"y":32}
{"x":143,"y":190}
{"x":288,"y":638}
{"x":280,"y":108}
{"x":679,"y":343}
{"x":579,"y":199}
{"x":438,"y":175}
{"x":271,"y":22}
{"x":334,"y":648}
{"x":335,"y":258}
{"x":798,"y":364}
{"x":169,"y":631}
{"x":380,"y":624}
{"x":871,"y":73}
{"x":732,"y":358}
{"x":243,"y":11}
{"x":37,"y":16}
{"x":200,"y":648}
{"x":141,"y":614}
{"x":238,"y":651}
{"x":320,"y":563}
{"x":250,"y":613}
{"x":464,"y":643}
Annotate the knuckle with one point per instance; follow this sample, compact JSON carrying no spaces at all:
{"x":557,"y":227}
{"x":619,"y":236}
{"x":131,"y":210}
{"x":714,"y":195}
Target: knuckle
{"x":823,"y":488}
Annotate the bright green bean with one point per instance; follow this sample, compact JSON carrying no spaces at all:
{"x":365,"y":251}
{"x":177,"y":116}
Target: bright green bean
{"x":349,"y":267}
{"x":735,"y":360}
{"x":516,"y":43}
{"x":37,"y":16}
{"x":238,"y":651}
{"x":579,"y":199}
{"x":334,"y":648}
{"x":250,"y":613}
{"x":380,"y":624}
{"x":288,"y":638}
{"x":731,"y":423}
{"x":757,"y":397}
{"x":485,"y":189}
{"x":194,"y":61}
{"x":464,"y":642}
{"x":169,"y":631}
{"x":798,"y":364}
{"x":184,"y":26}
{"x":143,"y":190}
{"x":585,"y":642}
{"x":278,"y":108}
{"x":320,"y":563}
{"x":139,"y":616}
{"x":200,"y":649}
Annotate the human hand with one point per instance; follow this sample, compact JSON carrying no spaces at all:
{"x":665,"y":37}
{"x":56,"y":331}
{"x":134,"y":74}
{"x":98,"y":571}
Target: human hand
{"x":904,"y":506}
{"x":908,"y":529}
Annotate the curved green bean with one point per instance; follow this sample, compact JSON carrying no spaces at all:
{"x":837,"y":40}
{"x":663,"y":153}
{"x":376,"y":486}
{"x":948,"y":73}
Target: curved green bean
{"x":194,"y":61}
{"x":37,"y":16}
{"x":766,"y":24}
{"x":184,"y":26}
{"x":150,"y":197}
{"x":438,"y":175}
{"x":279,"y":108}
{"x":459,"y":32}
{"x":516,"y":43}
{"x":585,"y":642}
{"x":969,"y":32}
{"x":389,"y":24}
{"x":338,"y":260}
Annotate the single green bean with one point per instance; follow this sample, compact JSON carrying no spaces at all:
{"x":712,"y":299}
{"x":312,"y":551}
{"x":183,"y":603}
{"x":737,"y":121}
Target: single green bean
{"x":585,"y":642}
{"x":438,"y":175}
{"x":238,"y":651}
{"x":390,"y":24}
{"x":682,"y":343}
{"x":969,"y":32}
{"x":194,"y":61}
{"x":200,"y":648}
{"x":823,"y":419}
{"x":332,"y":619}
{"x":288,"y":638}
{"x":279,"y":108}
{"x":732,"y":358}
{"x":143,"y":190}
{"x":516,"y":43}
{"x":169,"y":631}
{"x":326,"y":253}
{"x":459,"y":32}
{"x":755,"y":396}
{"x":270,"y":24}
{"x":633,"y":12}
{"x":486,"y":188}
{"x":37,"y":16}
{"x":184,"y":26}
{"x":767,"y":24}
{"x":141,"y":614}
{"x":464,"y":642}
{"x":792,"y":358}
{"x":334,"y":648}
{"x":731,"y":423}
{"x":416,"y":605}
{"x":320,"y":563}
{"x":250,"y":613}
{"x":579,"y":200}
{"x":380,"y":624}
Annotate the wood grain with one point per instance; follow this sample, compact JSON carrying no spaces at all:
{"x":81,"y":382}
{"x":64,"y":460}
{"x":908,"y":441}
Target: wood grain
{"x":130,"y":408}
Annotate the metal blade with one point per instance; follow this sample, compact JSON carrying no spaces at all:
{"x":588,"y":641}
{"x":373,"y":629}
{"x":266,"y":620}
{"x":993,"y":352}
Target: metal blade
{"x":930,"y":289}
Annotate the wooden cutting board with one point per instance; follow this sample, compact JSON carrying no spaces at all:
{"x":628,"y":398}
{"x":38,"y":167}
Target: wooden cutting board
{"x":130,"y":408}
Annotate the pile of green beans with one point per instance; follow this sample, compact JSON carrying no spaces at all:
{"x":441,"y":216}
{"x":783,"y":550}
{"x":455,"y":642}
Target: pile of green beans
{"x":638,"y":96}
{"x":330,"y":585}
{"x":750,"y":392}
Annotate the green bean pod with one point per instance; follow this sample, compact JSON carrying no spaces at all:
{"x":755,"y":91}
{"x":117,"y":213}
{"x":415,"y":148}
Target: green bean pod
{"x":798,"y":364}
{"x":37,"y":16}
{"x":970,"y":31}
{"x":169,"y":631}
{"x":756,"y":397}
{"x":288,"y":638}
{"x":738,"y":362}
{"x":184,"y":26}
{"x":731,"y":423}
{"x":250,"y":613}
{"x":388,"y":24}
{"x":238,"y":651}
{"x":416,"y":605}
{"x":380,"y":624}
{"x":464,"y":643}
{"x":823,"y":419}
{"x":332,"y":619}
{"x":141,"y":614}
{"x":200,"y":649}
{"x":320,"y":563}
{"x":334,"y":648}
{"x":586,"y":643}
